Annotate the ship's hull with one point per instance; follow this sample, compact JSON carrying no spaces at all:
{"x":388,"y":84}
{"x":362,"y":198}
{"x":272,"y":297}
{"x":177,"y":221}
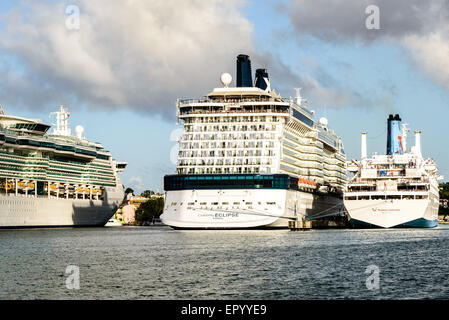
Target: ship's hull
{"x":35,"y":212}
{"x":422,"y":213}
{"x":242,"y":208}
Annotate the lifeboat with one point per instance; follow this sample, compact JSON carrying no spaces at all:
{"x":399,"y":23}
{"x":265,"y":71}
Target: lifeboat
{"x":53,"y":187}
{"x":306,"y":183}
{"x":22,"y":184}
{"x":7,"y":187}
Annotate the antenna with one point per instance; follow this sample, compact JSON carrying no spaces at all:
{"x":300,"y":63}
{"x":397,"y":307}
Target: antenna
{"x":2,"y":112}
{"x":62,"y":122}
{"x":298,"y":98}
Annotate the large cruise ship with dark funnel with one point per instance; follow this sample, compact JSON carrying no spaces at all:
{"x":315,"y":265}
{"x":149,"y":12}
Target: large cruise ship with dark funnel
{"x":250,"y":158}
{"x":398,"y":189}
{"x":54,"y":180}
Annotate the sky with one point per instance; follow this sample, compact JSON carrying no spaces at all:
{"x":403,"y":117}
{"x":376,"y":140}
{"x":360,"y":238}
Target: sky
{"x":119,"y":66}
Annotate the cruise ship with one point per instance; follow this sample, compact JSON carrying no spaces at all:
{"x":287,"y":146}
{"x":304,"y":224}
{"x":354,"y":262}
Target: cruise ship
{"x":249,"y":158}
{"x":54,"y":180}
{"x":399,"y":189}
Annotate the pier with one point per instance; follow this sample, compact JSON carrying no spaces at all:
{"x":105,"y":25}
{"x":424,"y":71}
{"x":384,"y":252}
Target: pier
{"x":300,"y":225}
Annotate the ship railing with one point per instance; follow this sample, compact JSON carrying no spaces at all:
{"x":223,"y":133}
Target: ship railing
{"x":236,"y":101}
{"x":232,"y":111}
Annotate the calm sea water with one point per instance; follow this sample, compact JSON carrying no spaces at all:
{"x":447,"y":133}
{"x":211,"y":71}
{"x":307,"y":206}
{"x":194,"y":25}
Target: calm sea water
{"x":161,"y":263}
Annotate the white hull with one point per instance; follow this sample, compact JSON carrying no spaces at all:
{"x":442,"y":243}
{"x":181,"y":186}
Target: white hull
{"x":23,"y":211}
{"x":393,"y":213}
{"x":241,"y":208}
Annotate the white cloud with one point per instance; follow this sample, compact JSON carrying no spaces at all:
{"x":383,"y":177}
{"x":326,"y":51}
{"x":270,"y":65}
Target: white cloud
{"x":421,"y":27}
{"x":136,"y":183}
{"x":430,"y":53}
{"x":136,"y":53}
{"x":320,"y":89}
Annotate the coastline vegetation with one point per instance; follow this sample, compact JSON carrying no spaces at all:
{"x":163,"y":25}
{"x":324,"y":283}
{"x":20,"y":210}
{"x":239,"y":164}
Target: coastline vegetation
{"x":149,"y":211}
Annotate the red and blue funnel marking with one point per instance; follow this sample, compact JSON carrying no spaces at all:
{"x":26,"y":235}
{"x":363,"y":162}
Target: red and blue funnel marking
{"x":394,"y":138}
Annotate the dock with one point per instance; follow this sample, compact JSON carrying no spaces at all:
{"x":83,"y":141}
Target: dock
{"x":299,"y":225}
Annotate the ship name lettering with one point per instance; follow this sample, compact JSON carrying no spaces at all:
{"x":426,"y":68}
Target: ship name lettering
{"x":225,"y":215}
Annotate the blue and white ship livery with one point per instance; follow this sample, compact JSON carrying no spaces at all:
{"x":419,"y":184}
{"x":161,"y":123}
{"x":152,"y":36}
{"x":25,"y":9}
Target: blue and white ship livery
{"x":399,"y":189}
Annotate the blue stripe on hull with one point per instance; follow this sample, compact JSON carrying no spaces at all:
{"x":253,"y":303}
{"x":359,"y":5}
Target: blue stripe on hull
{"x":418,"y":223}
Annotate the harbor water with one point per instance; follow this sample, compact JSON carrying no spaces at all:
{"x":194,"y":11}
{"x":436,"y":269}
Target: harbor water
{"x":162,"y":263}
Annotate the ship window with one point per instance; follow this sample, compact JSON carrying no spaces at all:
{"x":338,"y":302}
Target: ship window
{"x":351,"y":198}
{"x":364,"y":198}
{"x":376,"y":197}
{"x":236,"y":203}
{"x":421,"y":197}
{"x":249,"y":203}
{"x":298,"y":115}
{"x":271,"y":203}
{"x":225,"y":203}
{"x":191,"y":203}
{"x":203,"y":203}
{"x":214,"y":203}
{"x":181,"y":182}
{"x":393,"y":197}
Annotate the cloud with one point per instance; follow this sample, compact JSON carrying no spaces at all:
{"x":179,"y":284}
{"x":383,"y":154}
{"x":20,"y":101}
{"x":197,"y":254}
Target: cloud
{"x":320,"y":88}
{"x":136,"y":183}
{"x":430,"y":53}
{"x":337,"y":20}
{"x":126,"y":54}
{"x":420,"y":27}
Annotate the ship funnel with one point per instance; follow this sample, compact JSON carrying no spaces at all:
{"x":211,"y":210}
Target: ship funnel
{"x":364,"y":153}
{"x":262,"y":81}
{"x":404,"y":136}
{"x":394,"y":138}
{"x":418,"y":142}
{"x":244,"y":77}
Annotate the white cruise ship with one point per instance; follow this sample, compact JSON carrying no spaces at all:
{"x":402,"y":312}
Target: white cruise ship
{"x":249,"y":158}
{"x":56,"y":180}
{"x":399,"y":189}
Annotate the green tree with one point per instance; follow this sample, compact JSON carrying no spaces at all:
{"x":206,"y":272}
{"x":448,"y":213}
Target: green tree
{"x":444,"y":190}
{"x":444,"y":194}
{"x":149,"y":210}
{"x":147,"y":193}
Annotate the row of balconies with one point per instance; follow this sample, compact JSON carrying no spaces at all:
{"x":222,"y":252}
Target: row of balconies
{"x":224,"y":170}
{"x":310,"y":148}
{"x":213,"y":154}
{"x":224,"y":136}
{"x":230,"y":119}
{"x":228,"y":145}
{"x":224,"y":162}
{"x":233,"y":128}
{"x":229,"y":153}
